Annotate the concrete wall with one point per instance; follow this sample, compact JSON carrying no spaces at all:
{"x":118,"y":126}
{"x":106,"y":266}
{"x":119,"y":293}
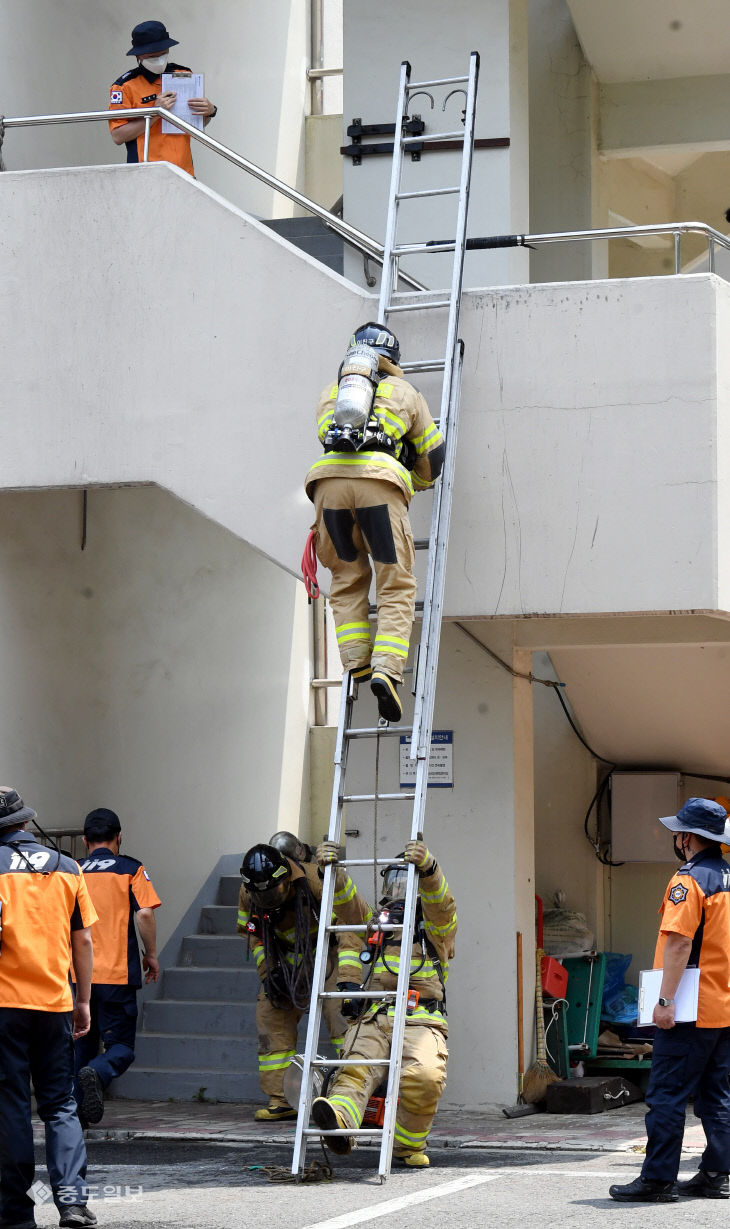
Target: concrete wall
{"x":437,"y":42}
{"x":58,"y":58}
{"x":561,"y":131}
{"x":587,"y":409}
{"x":147,"y":675}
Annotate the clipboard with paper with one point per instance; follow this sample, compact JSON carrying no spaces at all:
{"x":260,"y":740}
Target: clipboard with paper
{"x":685,"y":999}
{"x":186,"y":85}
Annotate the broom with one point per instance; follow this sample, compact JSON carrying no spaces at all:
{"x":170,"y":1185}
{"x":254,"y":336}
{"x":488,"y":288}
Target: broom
{"x":539,"y":1074}
{"x":521,"y":1109}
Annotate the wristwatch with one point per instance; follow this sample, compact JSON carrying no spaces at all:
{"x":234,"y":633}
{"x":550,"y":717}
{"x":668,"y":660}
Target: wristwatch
{"x":666,"y":1002}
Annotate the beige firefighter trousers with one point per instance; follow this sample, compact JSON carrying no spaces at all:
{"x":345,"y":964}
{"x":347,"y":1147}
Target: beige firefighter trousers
{"x":359,"y":519}
{"x":422,"y":1080}
{"x":277,"y":1037}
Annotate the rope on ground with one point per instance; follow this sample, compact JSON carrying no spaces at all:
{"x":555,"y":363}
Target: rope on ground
{"x":317,"y":1171}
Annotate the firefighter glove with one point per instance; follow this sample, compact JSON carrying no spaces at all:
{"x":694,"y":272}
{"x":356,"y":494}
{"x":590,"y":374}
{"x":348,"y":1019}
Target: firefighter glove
{"x":327,"y":852}
{"x":350,"y":1008}
{"x":420,"y":855}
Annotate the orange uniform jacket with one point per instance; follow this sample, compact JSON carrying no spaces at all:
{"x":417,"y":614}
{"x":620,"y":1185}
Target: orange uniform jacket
{"x":43,"y":897}
{"x":118,"y":887}
{"x":697,"y":905}
{"x":138,"y":88}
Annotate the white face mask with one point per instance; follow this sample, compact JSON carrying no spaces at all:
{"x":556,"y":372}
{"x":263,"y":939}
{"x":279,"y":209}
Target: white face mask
{"x":156,"y":64}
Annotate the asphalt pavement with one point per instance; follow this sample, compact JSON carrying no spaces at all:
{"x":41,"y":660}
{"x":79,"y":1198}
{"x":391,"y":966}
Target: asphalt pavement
{"x":212,"y":1166}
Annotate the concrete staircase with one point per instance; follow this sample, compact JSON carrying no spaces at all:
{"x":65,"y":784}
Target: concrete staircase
{"x":198,"y":1038}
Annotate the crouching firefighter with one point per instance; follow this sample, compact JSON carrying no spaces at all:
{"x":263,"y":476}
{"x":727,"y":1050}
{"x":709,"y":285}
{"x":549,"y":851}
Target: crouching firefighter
{"x":278,"y":910}
{"x":423,"y":1070}
{"x":380,"y":445}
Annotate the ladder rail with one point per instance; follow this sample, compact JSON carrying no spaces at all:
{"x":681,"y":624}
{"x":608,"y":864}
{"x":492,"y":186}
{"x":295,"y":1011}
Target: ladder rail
{"x":395,"y":1001}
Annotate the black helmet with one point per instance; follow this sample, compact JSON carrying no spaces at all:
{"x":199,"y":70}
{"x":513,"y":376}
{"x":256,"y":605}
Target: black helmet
{"x":13,"y":810}
{"x":395,"y":882}
{"x":290,"y":845}
{"x":378,"y":337}
{"x":266,"y":873}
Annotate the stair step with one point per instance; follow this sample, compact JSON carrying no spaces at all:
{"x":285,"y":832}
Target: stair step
{"x":197,"y":1051}
{"x":216,"y":951}
{"x":193,"y":1016}
{"x":221,"y":984}
{"x":229,"y":887}
{"x":180,"y":1084}
{"x":218,"y":920}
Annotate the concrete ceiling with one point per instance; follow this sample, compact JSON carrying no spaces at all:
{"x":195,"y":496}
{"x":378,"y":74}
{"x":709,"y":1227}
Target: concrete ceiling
{"x":645,"y":40}
{"x":662,"y":706}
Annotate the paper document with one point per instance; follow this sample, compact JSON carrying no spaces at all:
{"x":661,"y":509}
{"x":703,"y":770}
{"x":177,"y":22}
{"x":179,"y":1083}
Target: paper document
{"x":685,"y":1000}
{"x":186,"y":86}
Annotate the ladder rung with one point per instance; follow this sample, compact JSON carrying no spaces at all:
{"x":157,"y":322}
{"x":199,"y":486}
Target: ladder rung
{"x":426,"y":364}
{"x":343,"y":1131}
{"x":371,"y":731}
{"x":334,"y":928}
{"x":422,"y":85}
{"x":408,"y":796}
{"x":413,"y":196}
{"x":413,"y":249}
{"x":418,"y":307}
{"x":433,"y":136}
{"x":358,"y":994}
{"x":422,"y":543}
{"x":350,"y":1062}
{"x":372,"y":862}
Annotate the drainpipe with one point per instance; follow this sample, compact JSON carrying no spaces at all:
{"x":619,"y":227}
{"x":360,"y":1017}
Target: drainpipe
{"x":316,"y":55}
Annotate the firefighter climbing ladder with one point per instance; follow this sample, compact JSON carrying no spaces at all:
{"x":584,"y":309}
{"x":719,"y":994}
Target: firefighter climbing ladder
{"x":428,"y":651}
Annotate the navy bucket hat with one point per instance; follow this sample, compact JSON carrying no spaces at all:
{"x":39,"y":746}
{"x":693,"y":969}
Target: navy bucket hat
{"x":150,"y":37}
{"x":703,"y":817}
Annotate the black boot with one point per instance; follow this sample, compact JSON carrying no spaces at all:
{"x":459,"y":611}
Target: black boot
{"x":643,"y":1190}
{"x":706,"y":1186}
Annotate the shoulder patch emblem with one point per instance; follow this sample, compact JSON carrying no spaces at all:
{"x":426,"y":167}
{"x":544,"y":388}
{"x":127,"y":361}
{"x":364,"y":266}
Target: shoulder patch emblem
{"x":115,"y":96}
{"x":678,"y":893}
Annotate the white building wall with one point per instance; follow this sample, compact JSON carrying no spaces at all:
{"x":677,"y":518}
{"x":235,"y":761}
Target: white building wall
{"x":147,"y":675}
{"x":61,"y":58}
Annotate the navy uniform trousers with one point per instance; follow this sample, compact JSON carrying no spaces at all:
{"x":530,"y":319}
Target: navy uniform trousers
{"x":38,"y":1045}
{"x":687,"y":1062}
{"x":114,"y":1024}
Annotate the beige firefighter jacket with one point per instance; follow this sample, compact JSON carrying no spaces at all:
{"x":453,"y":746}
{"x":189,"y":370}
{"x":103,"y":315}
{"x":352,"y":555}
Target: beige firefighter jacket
{"x":439,"y":916}
{"x":402,"y":412}
{"x":349,"y":909}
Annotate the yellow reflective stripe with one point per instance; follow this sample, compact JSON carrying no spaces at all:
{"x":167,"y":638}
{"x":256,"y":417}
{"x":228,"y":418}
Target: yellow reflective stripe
{"x":387,"y":418}
{"x":276,"y":1061}
{"x":421,"y":484}
{"x":360,"y":460}
{"x":442,"y":930}
{"x":352,"y":631}
{"x":427,"y":439}
{"x":397,"y":641}
{"x":327,"y":415}
{"x":420,"y":1015}
{"x":337,"y":1042}
{"x":348,"y":961}
{"x":348,"y":1105}
{"x":391,"y":644}
{"x":346,"y":893}
{"x":416,"y":1138}
{"x":384,"y":389}
{"x":333,"y":392}
{"x":259,"y":953}
{"x":438,"y":895}
{"x":242,"y":917}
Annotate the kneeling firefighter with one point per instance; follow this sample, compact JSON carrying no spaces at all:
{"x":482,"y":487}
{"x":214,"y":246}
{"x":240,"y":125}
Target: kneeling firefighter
{"x":278,"y":910}
{"x":380,"y":444}
{"x":423,"y":1070}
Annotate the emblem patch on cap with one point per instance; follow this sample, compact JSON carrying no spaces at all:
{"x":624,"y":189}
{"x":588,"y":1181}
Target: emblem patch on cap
{"x":115,"y":96}
{"x":678,"y":894}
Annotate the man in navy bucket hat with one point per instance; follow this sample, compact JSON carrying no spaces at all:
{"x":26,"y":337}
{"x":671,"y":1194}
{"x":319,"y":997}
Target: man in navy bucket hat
{"x":692,"y":1058}
{"x":142,"y":87}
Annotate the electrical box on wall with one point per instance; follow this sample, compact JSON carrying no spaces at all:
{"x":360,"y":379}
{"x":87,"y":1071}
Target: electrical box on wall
{"x":637,"y":801}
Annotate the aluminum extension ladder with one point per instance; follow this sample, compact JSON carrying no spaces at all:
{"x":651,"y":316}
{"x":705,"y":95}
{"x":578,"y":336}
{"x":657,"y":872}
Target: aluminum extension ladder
{"x":432,"y":604}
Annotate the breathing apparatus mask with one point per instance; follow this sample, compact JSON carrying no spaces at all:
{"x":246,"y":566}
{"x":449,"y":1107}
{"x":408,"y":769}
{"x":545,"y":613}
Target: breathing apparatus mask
{"x":393,"y":901}
{"x":266,"y":874}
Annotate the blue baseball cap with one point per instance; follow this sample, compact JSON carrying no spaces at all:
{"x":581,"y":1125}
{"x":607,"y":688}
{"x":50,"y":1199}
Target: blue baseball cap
{"x":703,"y":817}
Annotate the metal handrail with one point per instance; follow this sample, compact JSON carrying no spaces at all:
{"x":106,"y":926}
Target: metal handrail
{"x":350,"y":234}
{"x":357,"y":239}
